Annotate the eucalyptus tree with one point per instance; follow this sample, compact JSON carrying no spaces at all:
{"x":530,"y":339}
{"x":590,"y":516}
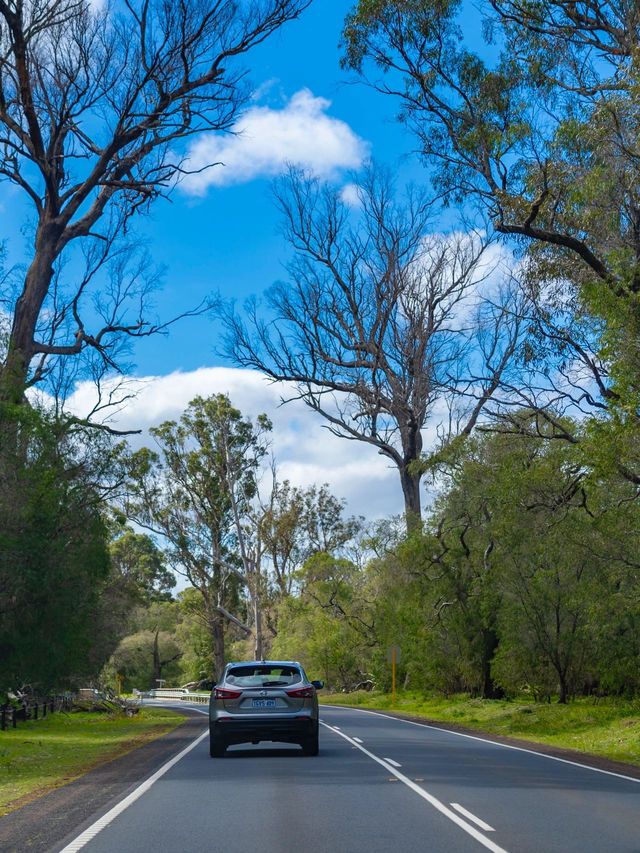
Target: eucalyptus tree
{"x":538,"y":128}
{"x":97,"y":102}
{"x":298,"y":522}
{"x":378,"y":328}
{"x":196,"y":491}
{"x":531,"y":566}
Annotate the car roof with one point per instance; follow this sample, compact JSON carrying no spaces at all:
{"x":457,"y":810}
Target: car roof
{"x":264,"y":662}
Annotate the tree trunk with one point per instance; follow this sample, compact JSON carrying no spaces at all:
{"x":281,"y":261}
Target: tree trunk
{"x":489,"y":646}
{"x":564,"y":690}
{"x":157,"y":664}
{"x":412,"y":504}
{"x":217,"y":635}
{"x":15,"y":371}
{"x":259,"y":652}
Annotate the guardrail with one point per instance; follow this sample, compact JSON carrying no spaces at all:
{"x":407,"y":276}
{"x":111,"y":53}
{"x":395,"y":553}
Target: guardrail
{"x":166,"y":693}
{"x":178,"y":693}
{"x":200,"y":698}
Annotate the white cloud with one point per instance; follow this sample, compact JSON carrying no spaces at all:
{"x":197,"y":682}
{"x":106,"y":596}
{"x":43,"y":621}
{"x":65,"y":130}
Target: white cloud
{"x":350,"y":195}
{"x":265,"y":140}
{"x":305,"y":452}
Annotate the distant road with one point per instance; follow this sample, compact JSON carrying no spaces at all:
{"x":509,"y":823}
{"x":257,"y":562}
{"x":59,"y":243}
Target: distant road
{"x":379,"y":784}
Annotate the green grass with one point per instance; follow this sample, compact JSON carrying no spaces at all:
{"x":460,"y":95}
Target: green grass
{"x":606,"y":727}
{"x":40,"y":755}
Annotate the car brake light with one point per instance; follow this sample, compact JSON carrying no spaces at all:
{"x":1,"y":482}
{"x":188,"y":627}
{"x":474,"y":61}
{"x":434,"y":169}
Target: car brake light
{"x":301,"y":693}
{"x":223,"y":693}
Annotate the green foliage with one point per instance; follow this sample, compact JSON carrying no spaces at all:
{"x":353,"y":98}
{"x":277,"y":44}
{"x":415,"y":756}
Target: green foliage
{"x":326,"y":627}
{"x":525,"y":579}
{"x":140,"y":567}
{"x":300,"y":522}
{"x":196,"y":492}
{"x":142,"y":658}
{"x":53,"y":550}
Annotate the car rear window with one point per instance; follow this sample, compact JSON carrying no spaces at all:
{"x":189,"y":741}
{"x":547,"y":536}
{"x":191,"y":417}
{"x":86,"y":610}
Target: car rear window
{"x":263,"y":675}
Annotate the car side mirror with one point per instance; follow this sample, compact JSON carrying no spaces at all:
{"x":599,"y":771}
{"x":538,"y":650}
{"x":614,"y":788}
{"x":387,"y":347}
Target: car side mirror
{"x":318,"y":684}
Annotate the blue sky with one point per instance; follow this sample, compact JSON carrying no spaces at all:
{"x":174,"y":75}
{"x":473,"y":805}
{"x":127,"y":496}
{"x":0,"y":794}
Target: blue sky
{"x":227,"y":240}
{"x":219,"y":234}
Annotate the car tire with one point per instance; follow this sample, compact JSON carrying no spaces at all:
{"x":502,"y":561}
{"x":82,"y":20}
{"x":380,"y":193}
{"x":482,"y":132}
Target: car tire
{"x":311,"y":745}
{"x":217,"y":747}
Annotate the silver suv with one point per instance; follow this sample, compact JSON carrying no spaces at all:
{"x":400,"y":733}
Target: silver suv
{"x":263,"y":700}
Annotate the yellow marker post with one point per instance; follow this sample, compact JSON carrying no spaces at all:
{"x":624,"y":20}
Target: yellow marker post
{"x":393,"y":657}
{"x":393,"y":675}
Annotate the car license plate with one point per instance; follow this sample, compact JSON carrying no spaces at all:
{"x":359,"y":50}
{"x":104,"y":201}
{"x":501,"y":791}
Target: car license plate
{"x":264,"y":703}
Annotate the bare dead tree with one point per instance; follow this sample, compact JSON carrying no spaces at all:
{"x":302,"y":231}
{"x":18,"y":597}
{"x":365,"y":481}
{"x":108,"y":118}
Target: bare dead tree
{"x":376,"y":326}
{"x":95,"y":108}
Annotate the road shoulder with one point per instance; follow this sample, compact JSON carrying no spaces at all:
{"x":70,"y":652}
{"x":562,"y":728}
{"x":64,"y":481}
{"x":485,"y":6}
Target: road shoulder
{"x":42,"y":824}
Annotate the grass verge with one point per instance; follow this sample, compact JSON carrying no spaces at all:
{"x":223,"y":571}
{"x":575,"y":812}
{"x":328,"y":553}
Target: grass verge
{"x":40,"y":755}
{"x":605,"y":727}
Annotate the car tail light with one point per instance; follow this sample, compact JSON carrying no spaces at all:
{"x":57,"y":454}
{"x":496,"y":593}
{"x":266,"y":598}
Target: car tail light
{"x":301,"y":693}
{"x":223,"y":693}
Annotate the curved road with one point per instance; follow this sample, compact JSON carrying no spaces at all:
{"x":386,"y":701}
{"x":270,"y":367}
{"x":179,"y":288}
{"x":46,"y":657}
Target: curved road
{"x":379,"y":783}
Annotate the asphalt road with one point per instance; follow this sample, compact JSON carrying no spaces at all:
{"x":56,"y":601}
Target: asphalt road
{"x":379,"y":784}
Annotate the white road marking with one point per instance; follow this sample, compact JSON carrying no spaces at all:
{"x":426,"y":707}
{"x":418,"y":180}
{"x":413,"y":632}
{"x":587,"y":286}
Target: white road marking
{"x":445,"y":810}
{"x":90,"y":833}
{"x":486,"y":740}
{"x":393,"y":763}
{"x":472,"y":817}
{"x":357,"y":740}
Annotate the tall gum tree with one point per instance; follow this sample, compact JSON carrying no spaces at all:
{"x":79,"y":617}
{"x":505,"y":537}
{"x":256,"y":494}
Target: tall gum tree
{"x":379,"y":324}
{"x":538,"y":127}
{"x":196,"y":492}
{"x":95,"y":108}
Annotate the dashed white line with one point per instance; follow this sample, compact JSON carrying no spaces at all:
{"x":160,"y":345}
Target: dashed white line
{"x":445,"y":810}
{"x":392,"y":762}
{"x":486,"y":740}
{"x":470,"y":816}
{"x":357,"y":740}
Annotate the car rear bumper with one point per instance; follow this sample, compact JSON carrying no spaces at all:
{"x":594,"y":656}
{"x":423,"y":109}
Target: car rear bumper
{"x":282,"y":729}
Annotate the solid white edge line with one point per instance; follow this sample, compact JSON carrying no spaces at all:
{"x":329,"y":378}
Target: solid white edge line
{"x":470,"y":830}
{"x":486,"y":740}
{"x":393,"y":763}
{"x":472,"y":817}
{"x":90,"y":833}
